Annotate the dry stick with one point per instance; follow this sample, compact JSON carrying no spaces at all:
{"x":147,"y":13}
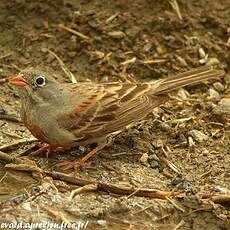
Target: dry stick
{"x":85,"y":188}
{"x":80,"y":35}
{"x":6,"y":55}
{"x":175,"y":6}
{"x":111,"y":188}
{"x":57,"y":214}
{"x":216,"y":198}
{"x":64,"y":67}
{"x":6,"y":158}
{"x":17,"y":142}
{"x":180,"y":224}
{"x":9,"y":117}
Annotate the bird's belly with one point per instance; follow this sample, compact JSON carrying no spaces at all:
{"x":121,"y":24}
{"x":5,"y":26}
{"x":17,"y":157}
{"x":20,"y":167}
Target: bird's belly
{"x":49,"y":132}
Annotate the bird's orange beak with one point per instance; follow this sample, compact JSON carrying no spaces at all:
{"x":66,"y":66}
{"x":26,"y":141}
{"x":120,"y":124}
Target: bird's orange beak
{"x":18,"y":81}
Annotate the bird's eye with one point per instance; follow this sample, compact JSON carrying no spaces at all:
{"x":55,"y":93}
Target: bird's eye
{"x":40,"y":81}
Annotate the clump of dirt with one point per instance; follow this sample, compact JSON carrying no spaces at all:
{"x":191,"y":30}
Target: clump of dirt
{"x":182,"y":147}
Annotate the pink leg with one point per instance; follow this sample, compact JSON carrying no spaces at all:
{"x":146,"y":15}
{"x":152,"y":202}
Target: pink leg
{"x":46,"y":148}
{"x":65,"y":165}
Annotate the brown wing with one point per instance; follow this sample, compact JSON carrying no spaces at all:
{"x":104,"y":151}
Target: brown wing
{"x":106,"y":108}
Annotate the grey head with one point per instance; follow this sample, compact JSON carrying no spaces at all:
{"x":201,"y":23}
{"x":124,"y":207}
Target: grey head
{"x":37,"y":86}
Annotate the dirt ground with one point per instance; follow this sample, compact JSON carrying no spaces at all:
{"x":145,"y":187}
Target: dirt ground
{"x":182,"y":147}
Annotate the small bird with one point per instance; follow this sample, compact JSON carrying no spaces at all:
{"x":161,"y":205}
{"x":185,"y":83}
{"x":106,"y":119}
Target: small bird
{"x":75,"y":114}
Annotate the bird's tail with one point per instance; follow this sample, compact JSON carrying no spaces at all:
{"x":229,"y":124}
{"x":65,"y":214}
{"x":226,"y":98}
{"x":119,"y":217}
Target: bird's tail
{"x":193,"y":76}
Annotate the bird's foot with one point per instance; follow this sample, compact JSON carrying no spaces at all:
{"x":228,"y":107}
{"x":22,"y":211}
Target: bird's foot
{"x":46,"y":149}
{"x":65,"y":165}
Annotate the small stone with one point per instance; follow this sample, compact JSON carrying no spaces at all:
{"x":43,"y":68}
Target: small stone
{"x":93,"y":23}
{"x":147,"y":47}
{"x":198,"y":135}
{"x":144,"y":158}
{"x":214,"y":95}
{"x":223,"y":107}
{"x":190,"y":142}
{"x":222,"y":190}
{"x":202,"y":54}
{"x":182,"y":61}
{"x":228,"y":42}
{"x":218,"y":86}
{"x":157,"y":143}
{"x":154,"y":164}
{"x":165,"y":126}
{"x":133,"y":31}
{"x":212,"y":61}
{"x":117,"y":34}
{"x":183,"y":94}
{"x":44,"y":49}
{"x":26,"y":55}
{"x":205,"y":152}
{"x":154,"y":157}
{"x":227,"y":78}
{"x":96,"y":55}
{"x":102,"y":223}
{"x":72,"y":54}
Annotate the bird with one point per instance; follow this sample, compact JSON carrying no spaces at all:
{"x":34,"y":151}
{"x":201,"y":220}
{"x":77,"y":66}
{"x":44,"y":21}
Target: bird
{"x":67,"y":115}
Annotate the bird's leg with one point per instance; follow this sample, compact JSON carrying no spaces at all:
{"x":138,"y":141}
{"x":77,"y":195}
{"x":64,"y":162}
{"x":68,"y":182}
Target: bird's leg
{"x":81,"y":162}
{"x":46,"y":148}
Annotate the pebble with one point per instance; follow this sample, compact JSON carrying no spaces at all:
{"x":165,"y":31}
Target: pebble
{"x":214,"y":95}
{"x":218,"y":86}
{"x":183,"y":94}
{"x":94,"y":24}
{"x":96,"y":55}
{"x":154,"y":157}
{"x":223,"y":107}
{"x":147,"y":47}
{"x":190,"y":142}
{"x":198,"y":135}
{"x":165,"y":126}
{"x":157,"y":143}
{"x":212,"y":61}
{"x":181,"y":61}
{"x":227,"y":78}
{"x":132,"y":32}
{"x":117,"y":34}
{"x":102,"y":223}
{"x":202,"y":54}
{"x":144,"y":158}
{"x":154,"y":161}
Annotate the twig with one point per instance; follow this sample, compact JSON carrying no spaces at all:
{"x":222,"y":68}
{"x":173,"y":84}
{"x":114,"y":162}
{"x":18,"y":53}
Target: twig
{"x":17,"y":142}
{"x":6,"y":55}
{"x":175,"y":205}
{"x":154,"y":61}
{"x":10,"y":118}
{"x":217,"y":198}
{"x":57,"y":214}
{"x":30,"y":166}
{"x":121,"y":190}
{"x":13,"y":135}
{"x":85,"y":188}
{"x":111,"y":18}
{"x":64,"y":67}
{"x":170,"y":165}
{"x":175,"y":6}
{"x":82,"y":36}
{"x":180,"y":224}
{"x":132,"y":60}
{"x":6,"y":158}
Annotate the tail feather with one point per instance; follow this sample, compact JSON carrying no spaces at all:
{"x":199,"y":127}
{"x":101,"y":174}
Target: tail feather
{"x":190,"y":77}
